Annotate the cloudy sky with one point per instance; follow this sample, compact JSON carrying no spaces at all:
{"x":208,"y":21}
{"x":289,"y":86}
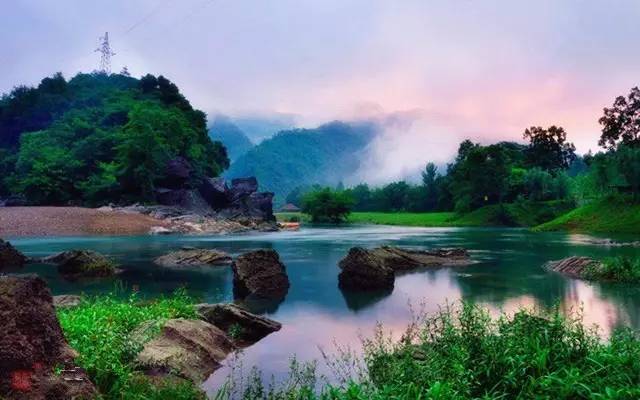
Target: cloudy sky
{"x":451,"y":69}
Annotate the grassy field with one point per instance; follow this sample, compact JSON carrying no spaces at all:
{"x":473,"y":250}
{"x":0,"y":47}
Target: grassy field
{"x":517,"y":214}
{"x":611,"y":215}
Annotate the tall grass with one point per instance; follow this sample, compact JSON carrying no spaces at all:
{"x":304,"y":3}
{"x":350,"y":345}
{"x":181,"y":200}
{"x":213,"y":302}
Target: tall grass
{"x":99,"y":330}
{"x":465,"y":354}
{"x":616,"y":269}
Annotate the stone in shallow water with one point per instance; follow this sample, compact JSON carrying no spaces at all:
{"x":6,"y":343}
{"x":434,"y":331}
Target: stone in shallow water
{"x":237,"y":322}
{"x":575,"y":267}
{"x":10,"y":257}
{"x":260,"y":273}
{"x":193,"y":257}
{"x":192,"y":349}
{"x":66,"y":301}
{"x":82,"y":264}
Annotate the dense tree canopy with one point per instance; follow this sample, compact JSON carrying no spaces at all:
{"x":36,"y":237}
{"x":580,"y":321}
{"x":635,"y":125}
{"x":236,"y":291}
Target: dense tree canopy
{"x":621,"y":122}
{"x":99,"y":138}
{"x":548,"y":148}
{"x":326,"y":205}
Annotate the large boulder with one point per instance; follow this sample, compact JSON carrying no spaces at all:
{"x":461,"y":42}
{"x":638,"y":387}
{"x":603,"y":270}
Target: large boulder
{"x":82,"y":264}
{"x":241,"y":325}
{"x":10,"y":257}
{"x":186,"y":199}
{"x":193,"y":257}
{"x":399,"y":259}
{"x":363,"y":270}
{"x":32,"y":346}
{"x":215,"y":192}
{"x":177,"y":173}
{"x":261,"y":206}
{"x":260,"y":273}
{"x":191,"y":349}
{"x":575,"y":267}
{"x":243,"y":187}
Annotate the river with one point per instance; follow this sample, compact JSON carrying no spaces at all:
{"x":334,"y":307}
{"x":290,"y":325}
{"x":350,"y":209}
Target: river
{"x":507,"y":274}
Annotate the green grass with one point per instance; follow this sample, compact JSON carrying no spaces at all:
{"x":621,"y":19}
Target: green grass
{"x":616,"y":269}
{"x":609,"y":215}
{"x":99,"y":330}
{"x":402,"y":218}
{"x":464,"y":354}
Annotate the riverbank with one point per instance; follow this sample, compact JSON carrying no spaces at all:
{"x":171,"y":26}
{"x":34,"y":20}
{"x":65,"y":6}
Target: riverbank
{"x":73,"y":221}
{"x":609,"y":215}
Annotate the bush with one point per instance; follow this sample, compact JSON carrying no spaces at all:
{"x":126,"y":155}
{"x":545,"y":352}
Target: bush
{"x":618,"y":269}
{"x":326,"y":205}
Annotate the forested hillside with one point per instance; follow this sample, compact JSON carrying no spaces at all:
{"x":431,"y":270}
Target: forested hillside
{"x":99,"y":138}
{"x":233,"y":138}
{"x":303,"y":157}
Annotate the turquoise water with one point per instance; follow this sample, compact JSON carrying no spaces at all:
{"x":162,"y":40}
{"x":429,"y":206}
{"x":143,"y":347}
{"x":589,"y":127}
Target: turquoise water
{"x":507,"y":275}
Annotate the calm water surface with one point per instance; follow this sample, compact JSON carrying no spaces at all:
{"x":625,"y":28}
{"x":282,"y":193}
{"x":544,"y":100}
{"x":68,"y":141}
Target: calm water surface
{"x":507,"y":274}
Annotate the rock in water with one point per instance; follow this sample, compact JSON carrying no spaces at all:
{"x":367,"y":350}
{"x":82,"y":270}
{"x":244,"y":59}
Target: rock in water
{"x":362,"y":270}
{"x":193,"y":257}
{"x":238,"y":323}
{"x":372,"y":269}
{"x":32,"y":345}
{"x":10,"y":257}
{"x":191,"y":349}
{"x":575,"y":267}
{"x":82,"y":264}
{"x":260,"y":273}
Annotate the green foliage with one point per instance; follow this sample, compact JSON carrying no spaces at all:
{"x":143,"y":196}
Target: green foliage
{"x":98,"y":138}
{"x":617,"y":269}
{"x":620,"y":214}
{"x":303,"y":157}
{"x":326,"y":205}
{"x":462,"y":353}
{"x":620,"y":123}
{"x":403,"y":218}
{"x":99,"y":330}
{"x":548,"y":148}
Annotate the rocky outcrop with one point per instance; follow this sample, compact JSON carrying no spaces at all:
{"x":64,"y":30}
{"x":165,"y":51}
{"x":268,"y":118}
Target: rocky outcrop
{"x":191,"y":349}
{"x":82,"y":264}
{"x":575,"y":267}
{"x":362,"y":270}
{"x":32,"y":345}
{"x":10,"y":257}
{"x":261,"y":274}
{"x":193,"y":257}
{"x":374,"y":269}
{"x":215,"y":192}
{"x":240,"y":325}
{"x":66,"y":301}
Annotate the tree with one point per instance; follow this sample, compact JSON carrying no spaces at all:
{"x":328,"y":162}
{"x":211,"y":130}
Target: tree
{"x":548,"y":148}
{"x":326,"y":205}
{"x":429,"y":181}
{"x":621,"y":122}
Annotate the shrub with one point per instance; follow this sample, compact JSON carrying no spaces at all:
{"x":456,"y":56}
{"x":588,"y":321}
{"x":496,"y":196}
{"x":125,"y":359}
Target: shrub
{"x":618,"y":269}
{"x":326,"y":205}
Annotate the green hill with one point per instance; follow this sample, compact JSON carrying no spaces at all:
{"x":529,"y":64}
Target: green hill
{"x":303,"y":157}
{"x":233,"y":138}
{"x":609,"y":215}
{"x":99,"y":138}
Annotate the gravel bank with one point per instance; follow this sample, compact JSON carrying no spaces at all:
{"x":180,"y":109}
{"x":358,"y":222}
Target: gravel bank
{"x":54,"y":221}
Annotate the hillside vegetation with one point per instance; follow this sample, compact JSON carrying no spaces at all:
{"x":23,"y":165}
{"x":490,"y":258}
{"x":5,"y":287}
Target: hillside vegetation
{"x":303,"y":157}
{"x":99,"y":138}
{"x":233,"y":138}
{"x":611,"y":214}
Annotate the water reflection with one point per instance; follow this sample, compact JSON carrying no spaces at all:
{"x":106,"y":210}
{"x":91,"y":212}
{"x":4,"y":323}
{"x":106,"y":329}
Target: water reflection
{"x":507,"y":275}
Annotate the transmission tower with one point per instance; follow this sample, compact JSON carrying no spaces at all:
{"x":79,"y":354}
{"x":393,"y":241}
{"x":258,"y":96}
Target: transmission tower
{"x":105,"y":49}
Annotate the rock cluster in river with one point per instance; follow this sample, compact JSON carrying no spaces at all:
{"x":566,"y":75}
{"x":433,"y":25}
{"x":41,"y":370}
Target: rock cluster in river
{"x":243,"y":326}
{"x":10,"y":257}
{"x":193,"y":257}
{"x":76,"y":264}
{"x":575,"y":267}
{"x":213,"y":196}
{"x":260,"y":274}
{"x":373,"y":269}
{"x":32,"y":345}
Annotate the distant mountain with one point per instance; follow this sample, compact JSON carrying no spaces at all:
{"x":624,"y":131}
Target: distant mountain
{"x":302,"y":157}
{"x":259,"y":128}
{"x":233,"y":138}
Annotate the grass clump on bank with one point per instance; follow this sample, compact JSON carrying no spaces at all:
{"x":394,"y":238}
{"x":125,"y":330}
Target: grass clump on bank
{"x":614,"y":214}
{"x":465,"y":354}
{"x":98,"y":329}
{"x":434,"y":219}
{"x":615,"y":269}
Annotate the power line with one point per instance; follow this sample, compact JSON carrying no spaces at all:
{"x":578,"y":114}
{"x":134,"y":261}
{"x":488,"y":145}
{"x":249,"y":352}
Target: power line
{"x":144,"y":19}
